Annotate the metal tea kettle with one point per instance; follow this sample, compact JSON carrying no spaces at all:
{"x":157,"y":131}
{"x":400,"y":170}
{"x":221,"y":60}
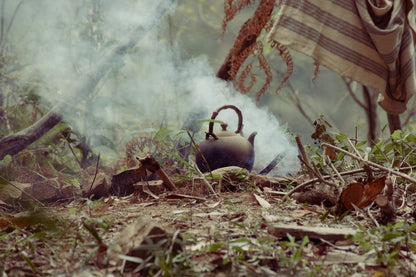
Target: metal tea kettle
{"x":225,"y":148}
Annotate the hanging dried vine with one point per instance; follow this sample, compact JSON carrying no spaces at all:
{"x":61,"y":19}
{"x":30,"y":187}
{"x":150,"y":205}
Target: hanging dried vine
{"x":247,"y":37}
{"x":246,"y":45}
{"x":315,"y":73}
{"x":241,"y":80}
{"x":287,"y":58}
{"x":231,"y":8}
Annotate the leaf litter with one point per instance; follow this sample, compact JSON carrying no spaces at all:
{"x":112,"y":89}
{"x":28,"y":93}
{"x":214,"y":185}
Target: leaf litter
{"x":250,"y":228}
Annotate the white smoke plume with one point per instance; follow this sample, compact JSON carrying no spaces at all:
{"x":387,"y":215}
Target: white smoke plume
{"x":153,"y":82}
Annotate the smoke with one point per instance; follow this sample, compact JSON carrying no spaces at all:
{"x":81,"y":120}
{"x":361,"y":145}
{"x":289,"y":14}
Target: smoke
{"x":153,"y":83}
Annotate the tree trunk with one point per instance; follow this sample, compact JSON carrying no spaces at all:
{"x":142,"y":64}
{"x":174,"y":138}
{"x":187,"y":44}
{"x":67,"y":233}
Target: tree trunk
{"x":394,"y":122}
{"x":370,"y":99}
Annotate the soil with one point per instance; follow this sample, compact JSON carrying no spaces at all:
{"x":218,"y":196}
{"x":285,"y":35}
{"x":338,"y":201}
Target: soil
{"x":229,"y":233}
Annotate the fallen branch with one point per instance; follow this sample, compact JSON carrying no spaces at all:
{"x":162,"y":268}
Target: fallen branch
{"x":304,"y":159}
{"x":152,"y":165}
{"x":330,"y":234}
{"x":386,"y":209}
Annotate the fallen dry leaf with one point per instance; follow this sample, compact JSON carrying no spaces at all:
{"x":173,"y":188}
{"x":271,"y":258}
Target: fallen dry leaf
{"x":362,"y":195}
{"x":263,"y":202}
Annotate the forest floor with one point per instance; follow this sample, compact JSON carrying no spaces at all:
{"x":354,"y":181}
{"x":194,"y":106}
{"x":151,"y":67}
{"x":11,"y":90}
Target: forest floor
{"x":246,"y":228}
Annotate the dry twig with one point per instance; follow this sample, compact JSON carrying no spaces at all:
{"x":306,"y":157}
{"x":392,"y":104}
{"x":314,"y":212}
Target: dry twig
{"x":205,"y":180}
{"x":304,"y":157}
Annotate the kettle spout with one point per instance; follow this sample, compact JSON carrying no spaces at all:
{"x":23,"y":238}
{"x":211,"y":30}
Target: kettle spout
{"x":252,"y":137}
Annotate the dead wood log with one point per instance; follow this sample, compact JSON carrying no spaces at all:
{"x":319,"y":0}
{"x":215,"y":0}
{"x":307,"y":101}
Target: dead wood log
{"x":332,"y":234}
{"x":386,"y":208}
{"x":152,"y":165}
{"x":320,"y":195}
{"x":13,"y":144}
{"x":122,"y":184}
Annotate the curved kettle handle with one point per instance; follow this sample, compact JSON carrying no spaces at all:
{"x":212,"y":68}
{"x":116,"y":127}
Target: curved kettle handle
{"x":214,"y":115}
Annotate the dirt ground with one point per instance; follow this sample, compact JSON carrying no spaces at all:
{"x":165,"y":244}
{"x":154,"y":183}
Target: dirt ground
{"x":230,"y":233}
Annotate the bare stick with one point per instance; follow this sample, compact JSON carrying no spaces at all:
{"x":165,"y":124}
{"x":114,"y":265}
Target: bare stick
{"x":205,"y":180}
{"x":352,"y":93}
{"x":311,"y":181}
{"x":370,"y":215}
{"x":200,"y":153}
{"x":95,"y":175}
{"x":304,"y":157}
{"x":353,"y":148}
{"x":335,"y":170}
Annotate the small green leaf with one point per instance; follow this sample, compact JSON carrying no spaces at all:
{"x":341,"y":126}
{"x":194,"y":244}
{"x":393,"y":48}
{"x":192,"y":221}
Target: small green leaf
{"x":6,"y":160}
{"x":92,"y":231}
{"x":397,"y":135}
{"x":215,"y":246}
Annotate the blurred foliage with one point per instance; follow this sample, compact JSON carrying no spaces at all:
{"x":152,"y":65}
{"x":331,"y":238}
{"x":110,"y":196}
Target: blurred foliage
{"x":389,"y":244}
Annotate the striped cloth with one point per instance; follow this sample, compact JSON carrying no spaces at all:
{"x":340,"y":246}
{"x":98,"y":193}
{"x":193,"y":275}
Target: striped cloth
{"x":369,"y":41}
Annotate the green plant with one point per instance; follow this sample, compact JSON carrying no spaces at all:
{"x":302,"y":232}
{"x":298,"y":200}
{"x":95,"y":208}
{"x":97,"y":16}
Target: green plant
{"x":23,"y":239}
{"x":389,"y":244}
{"x":162,"y":257}
{"x":397,"y":151}
{"x":293,"y":254}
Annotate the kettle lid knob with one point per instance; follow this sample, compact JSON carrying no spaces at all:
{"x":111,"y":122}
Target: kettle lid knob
{"x":224,"y":126}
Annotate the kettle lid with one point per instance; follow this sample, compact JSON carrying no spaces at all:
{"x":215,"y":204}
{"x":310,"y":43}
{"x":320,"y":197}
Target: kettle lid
{"x":224,"y":132}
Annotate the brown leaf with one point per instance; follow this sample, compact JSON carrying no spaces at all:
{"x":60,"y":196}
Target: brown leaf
{"x":330,"y":152}
{"x":362,"y":195}
{"x":371,"y":191}
{"x":352,"y":195}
